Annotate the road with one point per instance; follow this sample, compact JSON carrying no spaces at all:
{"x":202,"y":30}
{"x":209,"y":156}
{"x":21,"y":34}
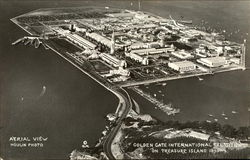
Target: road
{"x":126,"y":103}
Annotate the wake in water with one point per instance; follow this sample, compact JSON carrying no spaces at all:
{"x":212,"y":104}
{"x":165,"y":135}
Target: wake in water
{"x":42,"y":92}
{"x":38,"y":97}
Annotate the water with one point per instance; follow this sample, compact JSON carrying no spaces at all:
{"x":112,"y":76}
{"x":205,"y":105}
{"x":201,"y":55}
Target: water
{"x":71,"y":110}
{"x":224,"y":92}
{"x":196,"y":99}
{"x":74,"y":106}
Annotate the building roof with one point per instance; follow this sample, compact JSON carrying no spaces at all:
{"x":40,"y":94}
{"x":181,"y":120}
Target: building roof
{"x":121,"y":14}
{"x":199,"y":135}
{"x":183,"y":63}
{"x":101,"y":39}
{"x":182,"y":54}
{"x":214,"y":59}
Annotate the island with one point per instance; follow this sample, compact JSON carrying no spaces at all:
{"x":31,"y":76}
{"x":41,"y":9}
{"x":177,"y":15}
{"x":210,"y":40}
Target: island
{"x":123,"y":49}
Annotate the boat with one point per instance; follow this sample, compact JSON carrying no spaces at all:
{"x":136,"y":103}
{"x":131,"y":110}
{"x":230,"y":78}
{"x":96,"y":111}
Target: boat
{"x":223,"y":114}
{"x":208,"y":121}
{"x":159,"y":91}
{"x":210,"y":115}
{"x":42,"y":92}
{"x":226,"y":118}
{"x":22,"y":98}
{"x":216,"y":120}
{"x":154,"y":95}
{"x":164,"y":84}
{"x":234,"y":112}
{"x":200,"y":79}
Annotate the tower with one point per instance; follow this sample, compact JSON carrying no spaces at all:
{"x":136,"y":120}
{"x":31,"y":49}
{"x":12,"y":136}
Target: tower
{"x":72,"y":27}
{"x":139,"y":5}
{"x":243,"y":55}
{"x":162,"y":42}
{"x":112,"y":47}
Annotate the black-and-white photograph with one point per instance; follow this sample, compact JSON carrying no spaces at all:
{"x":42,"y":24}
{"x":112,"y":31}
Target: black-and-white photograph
{"x":124,"y":79}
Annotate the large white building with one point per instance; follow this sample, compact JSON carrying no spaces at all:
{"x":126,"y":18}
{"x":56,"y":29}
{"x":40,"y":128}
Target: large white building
{"x":120,"y":71}
{"x":182,"y":66}
{"x":80,"y":41}
{"x":75,"y":38}
{"x":113,"y":60}
{"x":119,"y":15}
{"x":100,"y":38}
{"x":138,"y":58}
{"x":213,"y":61}
{"x":151,"y":51}
{"x":182,"y":54}
{"x":198,"y":135}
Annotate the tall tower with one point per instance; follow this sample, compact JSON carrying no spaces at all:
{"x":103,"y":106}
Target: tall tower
{"x":243,"y":55}
{"x":162,"y":42}
{"x":72,"y":27}
{"x":139,"y":5}
{"x":112,"y":47}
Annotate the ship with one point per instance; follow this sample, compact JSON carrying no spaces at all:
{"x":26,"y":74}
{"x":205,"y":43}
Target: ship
{"x":200,"y":79}
{"x":234,"y":112}
{"x":223,"y":114}
{"x":164,"y":84}
{"x":42,"y":92}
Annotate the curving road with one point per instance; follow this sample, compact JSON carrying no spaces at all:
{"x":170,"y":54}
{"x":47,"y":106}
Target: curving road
{"x":126,"y":103}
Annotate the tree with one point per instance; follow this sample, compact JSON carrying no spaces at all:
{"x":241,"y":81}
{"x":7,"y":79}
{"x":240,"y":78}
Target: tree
{"x":243,"y":132}
{"x":228,"y":131}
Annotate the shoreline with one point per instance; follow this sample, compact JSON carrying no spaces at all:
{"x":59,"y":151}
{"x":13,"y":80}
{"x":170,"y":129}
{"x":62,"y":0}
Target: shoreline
{"x":123,"y":108}
{"x":124,"y":104}
{"x":89,"y":75}
{"x":165,"y":79}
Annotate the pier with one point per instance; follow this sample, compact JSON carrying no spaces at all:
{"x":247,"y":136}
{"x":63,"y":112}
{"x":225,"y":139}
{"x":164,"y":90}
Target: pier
{"x":167,"y":108}
{"x":29,"y":40}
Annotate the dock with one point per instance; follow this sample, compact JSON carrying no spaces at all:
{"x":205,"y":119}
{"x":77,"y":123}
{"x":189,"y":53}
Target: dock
{"x":167,"y":108}
{"x":18,"y":41}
